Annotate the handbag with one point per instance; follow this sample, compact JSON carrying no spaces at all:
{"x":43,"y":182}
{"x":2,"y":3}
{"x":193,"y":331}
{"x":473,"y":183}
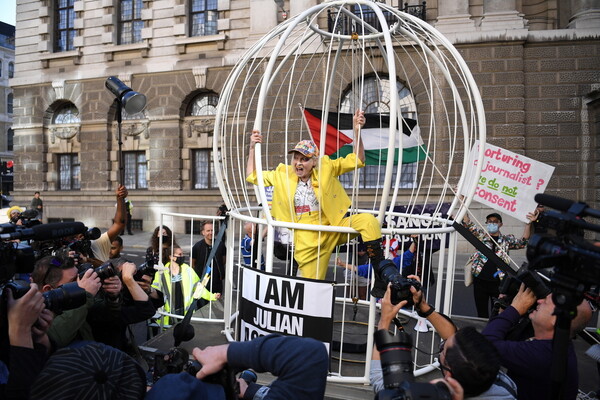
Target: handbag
{"x":468,"y":273}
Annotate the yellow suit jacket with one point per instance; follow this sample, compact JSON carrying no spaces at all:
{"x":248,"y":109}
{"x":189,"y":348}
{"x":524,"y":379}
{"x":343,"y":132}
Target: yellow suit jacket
{"x":333,"y":200}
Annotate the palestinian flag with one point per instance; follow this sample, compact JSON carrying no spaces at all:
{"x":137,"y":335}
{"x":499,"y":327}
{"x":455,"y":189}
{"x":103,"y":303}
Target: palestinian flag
{"x":340,"y":135}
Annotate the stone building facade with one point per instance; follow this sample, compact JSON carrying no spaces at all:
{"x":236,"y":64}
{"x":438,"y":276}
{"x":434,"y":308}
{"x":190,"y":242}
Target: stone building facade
{"x":7,"y":70}
{"x":537,"y":65}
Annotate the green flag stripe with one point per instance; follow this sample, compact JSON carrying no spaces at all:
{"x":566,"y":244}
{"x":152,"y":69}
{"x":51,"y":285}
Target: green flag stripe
{"x":378,"y":157}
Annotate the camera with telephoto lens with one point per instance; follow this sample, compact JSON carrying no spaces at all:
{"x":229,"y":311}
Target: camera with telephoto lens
{"x":178,"y":360}
{"x":65,"y":297}
{"x":106,"y":270}
{"x":397,"y":368}
{"x":511,"y":284}
{"x":144,"y":269}
{"x":388,"y":273}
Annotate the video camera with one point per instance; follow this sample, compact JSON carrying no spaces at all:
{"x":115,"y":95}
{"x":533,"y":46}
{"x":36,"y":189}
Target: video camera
{"x":397,"y":368}
{"x":19,"y":257}
{"x":559,"y":243}
{"x":387,"y":272}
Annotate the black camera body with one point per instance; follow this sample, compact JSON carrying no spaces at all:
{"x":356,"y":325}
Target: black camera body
{"x":511,"y":284}
{"x":388,"y":273}
{"x":397,"y":368}
{"x":144,"y":269}
{"x":65,"y":297}
{"x":177,"y":360}
{"x":104,"y":271}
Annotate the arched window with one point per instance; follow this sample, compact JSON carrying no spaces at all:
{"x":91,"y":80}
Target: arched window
{"x":11,"y":70}
{"x":66,"y":114}
{"x":9,"y":103}
{"x":202,"y":172}
{"x":203,"y":104}
{"x":66,"y":124}
{"x":375,"y":99}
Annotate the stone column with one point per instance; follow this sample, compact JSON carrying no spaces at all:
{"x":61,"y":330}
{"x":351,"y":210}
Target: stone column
{"x":499,"y":15}
{"x":297,"y":6}
{"x":584,"y":14}
{"x":454,"y":17}
{"x":263,"y":16}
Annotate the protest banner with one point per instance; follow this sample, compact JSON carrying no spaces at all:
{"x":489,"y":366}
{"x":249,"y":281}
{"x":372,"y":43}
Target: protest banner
{"x":508,"y":181}
{"x":273,"y":303}
{"x":431,"y":241}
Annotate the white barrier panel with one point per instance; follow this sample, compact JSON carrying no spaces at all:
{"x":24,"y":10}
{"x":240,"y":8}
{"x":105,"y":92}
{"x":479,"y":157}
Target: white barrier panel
{"x":273,"y":303}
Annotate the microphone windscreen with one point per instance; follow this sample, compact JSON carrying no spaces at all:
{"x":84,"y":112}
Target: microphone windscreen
{"x":57,"y":230}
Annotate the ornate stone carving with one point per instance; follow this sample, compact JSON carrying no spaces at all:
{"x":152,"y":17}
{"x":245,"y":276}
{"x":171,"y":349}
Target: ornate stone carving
{"x":132,"y":128}
{"x":64,"y":132}
{"x":199,"y":126}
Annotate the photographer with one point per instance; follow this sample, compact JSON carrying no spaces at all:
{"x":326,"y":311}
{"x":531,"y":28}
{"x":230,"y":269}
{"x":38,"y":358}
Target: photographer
{"x":465,"y":355}
{"x":127,"y":302}
{"x":101,"y":246}
{"x":51,"y":272}
{"x":486,"y":276}
{"x":28,"y":323}
{"x":299,"y":363}
{"x":529,"y":362}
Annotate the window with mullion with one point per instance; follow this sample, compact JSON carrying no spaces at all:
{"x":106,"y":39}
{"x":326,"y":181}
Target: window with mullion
{"x":130,"y":21}
{"x":135,"y":170}
{"x":203,"y":17}
{"x":64,"y":31}
{"x":68,"y":171}
{"x":203,"y":173}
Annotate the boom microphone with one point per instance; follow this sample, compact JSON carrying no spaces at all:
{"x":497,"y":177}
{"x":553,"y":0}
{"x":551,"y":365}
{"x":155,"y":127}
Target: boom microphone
{"x":46,"y":232}
{"x":561,"y":204}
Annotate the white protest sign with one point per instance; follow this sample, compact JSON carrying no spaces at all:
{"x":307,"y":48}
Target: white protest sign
{"x":508,"y":180}
{"x":273,"y":303}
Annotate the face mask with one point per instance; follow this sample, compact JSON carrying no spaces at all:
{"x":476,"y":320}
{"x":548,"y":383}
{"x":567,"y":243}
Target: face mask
{"x":166,"y":239}
{"x":180,"y":260}
{"x":492,"y":228}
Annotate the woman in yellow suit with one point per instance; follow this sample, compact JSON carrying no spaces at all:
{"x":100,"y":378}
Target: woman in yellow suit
{"x":178,"y":282}
{"x":309,"y":192}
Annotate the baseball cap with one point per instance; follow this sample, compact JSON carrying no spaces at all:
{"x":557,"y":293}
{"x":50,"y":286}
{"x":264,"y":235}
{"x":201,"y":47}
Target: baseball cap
{"x":494,"y":215}
{"x":305,"y":147}
{"x":90,"y":370}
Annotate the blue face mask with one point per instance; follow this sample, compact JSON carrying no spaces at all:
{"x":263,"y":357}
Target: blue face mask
{"x":492,"y":227}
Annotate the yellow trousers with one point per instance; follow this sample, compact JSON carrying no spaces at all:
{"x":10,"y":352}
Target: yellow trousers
{"x":312,"y":249}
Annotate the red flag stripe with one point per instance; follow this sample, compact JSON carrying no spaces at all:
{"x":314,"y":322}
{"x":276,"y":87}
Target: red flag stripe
{"x":334,"y":138}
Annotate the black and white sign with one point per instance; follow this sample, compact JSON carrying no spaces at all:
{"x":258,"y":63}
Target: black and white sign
{"x":273,"y":303}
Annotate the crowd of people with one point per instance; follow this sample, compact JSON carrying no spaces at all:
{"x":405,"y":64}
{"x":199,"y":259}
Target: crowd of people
{"x":45,"y":347}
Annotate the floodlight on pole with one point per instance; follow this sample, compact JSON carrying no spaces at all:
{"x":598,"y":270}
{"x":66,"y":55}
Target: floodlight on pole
{"x":133,"y":102}
{"x":125,"y":99}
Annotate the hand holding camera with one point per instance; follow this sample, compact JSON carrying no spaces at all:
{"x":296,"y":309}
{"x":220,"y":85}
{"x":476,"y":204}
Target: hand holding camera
{"x":524,"y":299}
{"x":212,"y":358}
{"x":89,"y":281}
{"x":22,"y":314}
